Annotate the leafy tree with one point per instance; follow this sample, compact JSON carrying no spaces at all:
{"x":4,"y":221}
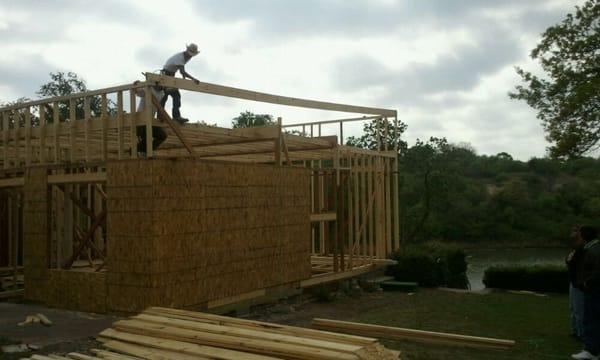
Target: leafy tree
{"x":378,"y":129}
{"x":63,"y":84}
{"x":567,"y":97}
{"x":248,"y":119}
{"x":425,"y":181}
{"x":504,"y":156}
{"x":11,"y":116}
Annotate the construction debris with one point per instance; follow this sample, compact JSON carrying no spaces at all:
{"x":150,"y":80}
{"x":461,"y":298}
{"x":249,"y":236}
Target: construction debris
{"x":394,"y":333}
{"x":15,"y":348}
{"x":36,"y":319}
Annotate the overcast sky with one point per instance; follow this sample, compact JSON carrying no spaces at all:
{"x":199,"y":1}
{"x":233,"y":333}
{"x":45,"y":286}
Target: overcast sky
{"x":446,"y":66}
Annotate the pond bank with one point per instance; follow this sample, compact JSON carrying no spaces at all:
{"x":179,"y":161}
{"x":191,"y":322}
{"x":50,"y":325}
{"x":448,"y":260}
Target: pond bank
{"x":481,"y":259}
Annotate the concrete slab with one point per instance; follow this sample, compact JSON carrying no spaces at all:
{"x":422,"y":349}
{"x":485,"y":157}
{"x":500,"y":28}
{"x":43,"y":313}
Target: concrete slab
{"x":67,"y":325}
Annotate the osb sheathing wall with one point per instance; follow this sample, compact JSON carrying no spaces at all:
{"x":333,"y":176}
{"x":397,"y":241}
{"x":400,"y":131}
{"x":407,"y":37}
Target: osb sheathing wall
{"x":184,"y":232}
{"x":180,"y":233}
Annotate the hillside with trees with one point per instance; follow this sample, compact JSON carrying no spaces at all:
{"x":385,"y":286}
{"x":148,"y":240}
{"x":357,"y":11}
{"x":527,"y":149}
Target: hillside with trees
{"x":448,"y":192}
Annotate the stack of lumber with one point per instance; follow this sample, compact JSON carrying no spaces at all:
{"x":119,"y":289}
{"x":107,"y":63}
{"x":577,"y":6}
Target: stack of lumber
{"x":164,"y":333}
{"x":395,"y":333}
{"x":180,"y":334}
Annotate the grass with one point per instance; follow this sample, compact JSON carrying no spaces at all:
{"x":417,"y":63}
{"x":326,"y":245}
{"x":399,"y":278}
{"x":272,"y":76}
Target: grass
{"x":540,"y":325}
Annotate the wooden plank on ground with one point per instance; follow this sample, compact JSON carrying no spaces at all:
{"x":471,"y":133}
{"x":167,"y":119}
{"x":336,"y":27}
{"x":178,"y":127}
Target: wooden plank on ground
{"x":78,"y":356}
{"x":136,"y":352}
{"x":394,"y":333}
{"x":109,"y":355}
{"x":232,"y":342}
{"x":263,"y":326}
{"x":248,"y":333}
{"x":210,"y":352}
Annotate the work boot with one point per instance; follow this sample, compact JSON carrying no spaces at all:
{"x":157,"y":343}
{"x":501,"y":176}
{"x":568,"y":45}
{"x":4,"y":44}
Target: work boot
{"x":584,"y":355}
{"x":181,"y":120}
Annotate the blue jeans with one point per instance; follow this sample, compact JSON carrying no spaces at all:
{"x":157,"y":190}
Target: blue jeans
{"x":174,"y":93}
{"x":576,"y":304}
{"x":591,"y":323}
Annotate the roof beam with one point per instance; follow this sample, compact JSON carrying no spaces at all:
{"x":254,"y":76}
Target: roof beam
{"x":232,"y":92}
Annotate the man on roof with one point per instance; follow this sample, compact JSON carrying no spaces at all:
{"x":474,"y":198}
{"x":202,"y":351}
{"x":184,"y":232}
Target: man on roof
{"x":174,"y":64}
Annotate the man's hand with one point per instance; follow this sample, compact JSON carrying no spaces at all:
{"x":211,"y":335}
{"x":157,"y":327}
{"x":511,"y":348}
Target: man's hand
{"x":188,"y":76}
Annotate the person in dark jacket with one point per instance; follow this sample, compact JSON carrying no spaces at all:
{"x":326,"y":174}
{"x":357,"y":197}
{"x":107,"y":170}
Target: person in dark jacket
{"x":574,"y":261}
{"x":588,"y":279}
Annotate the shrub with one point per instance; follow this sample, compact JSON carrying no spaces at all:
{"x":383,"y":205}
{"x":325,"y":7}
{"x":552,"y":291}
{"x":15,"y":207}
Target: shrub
{"x":543,"y":278}
{"x":431,"y":264}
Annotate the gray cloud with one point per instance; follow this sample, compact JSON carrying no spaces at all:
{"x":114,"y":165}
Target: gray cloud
{"x":307,"y":17}
{"x":52,"y":18}
{"x":491,"y":126}
{"x":353,"y":17}
{"x":25,"y":78}
{"x":460,"y":71}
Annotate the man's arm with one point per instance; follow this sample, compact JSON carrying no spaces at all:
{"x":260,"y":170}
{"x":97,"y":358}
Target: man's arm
{"x":185,"y":74}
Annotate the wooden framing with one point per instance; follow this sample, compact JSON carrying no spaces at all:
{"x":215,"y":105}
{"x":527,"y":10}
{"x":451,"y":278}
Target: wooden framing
{"x":11,"y":236}
{"x":263,"y":97}
{"x":354,"y":192}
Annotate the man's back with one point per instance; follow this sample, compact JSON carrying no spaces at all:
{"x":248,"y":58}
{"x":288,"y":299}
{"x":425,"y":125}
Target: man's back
{"x":590,"y":274}
{"x":174,"y":62}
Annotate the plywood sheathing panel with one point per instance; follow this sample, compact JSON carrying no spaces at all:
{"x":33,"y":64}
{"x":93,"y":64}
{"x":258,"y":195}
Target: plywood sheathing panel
{"x":184,"y":232}
{"x":35,"y":232}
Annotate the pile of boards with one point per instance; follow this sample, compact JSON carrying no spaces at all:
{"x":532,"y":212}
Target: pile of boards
{"x":163,"y":333}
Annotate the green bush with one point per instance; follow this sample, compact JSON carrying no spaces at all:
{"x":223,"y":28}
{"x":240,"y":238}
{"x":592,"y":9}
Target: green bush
{"x":431,"y":264}
{"x":543,"y":278}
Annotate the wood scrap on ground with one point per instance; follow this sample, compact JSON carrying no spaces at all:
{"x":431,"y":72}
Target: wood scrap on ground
{"x":163,"y":333}
{"x":35,"y":319}
{"x":394,"y":333}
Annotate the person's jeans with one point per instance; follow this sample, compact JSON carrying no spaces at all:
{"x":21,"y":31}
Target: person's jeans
{"x":576,"y":304}
{"x":158,"y":136}
{"x":591,"y":322}
{"x":174,"y":93}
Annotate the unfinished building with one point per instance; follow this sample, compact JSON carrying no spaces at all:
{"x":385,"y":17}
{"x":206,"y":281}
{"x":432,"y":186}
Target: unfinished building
{"x":213,"y":216}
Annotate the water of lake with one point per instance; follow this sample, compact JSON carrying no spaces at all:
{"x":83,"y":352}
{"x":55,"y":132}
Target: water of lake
{"x":481,"y":259}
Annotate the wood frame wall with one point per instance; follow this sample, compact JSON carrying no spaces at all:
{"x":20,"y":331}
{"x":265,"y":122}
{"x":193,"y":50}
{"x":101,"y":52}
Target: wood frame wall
{"x":11,"y":237}
{"x":77,"y":219}
{"x":355,"y":200}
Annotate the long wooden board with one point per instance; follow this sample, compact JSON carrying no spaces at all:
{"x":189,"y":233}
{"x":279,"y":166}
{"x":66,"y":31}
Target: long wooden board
{"x":395,"y":333}
{"x":232,"y":92}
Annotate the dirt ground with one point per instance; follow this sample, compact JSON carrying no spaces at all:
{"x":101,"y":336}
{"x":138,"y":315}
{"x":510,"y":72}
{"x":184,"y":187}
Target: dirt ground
{"x":70,"y":331}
